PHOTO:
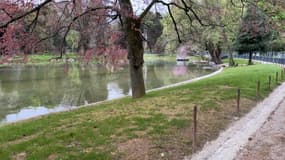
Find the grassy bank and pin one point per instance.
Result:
(155, 57)
(38, 59)
(44, 59)
(168, 57)
(157, 126)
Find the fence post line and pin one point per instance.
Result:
(194, 129)
(282, 75)
(258, 89)
(276, 77)
(269, 82)
(238, 99)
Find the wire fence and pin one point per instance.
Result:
(269, 59)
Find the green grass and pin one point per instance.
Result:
(155, 57)
(43, 57)
(237, 61)
(38, 59)
(167, 57)
(162, 118)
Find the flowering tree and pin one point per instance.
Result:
(108, 11)
(16, 38)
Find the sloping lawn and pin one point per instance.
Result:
(157, 126)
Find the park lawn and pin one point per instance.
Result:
(162, 57)
(238, 61)
(157, 126)
(168, 57)
(38, 59)
(46, 58)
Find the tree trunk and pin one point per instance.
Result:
(231, 59)
(218, 52)
(250, 58)
(137, 81)
(135, 56)
(229, 50)
(214, 51)
(135, 48)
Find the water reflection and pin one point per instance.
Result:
(114, 91)
(25, 113)
(54, 88)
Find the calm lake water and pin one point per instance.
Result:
(29, 91)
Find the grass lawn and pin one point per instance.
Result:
(157, 126)
(155, 57)
(38, 59)
(168, 57)
(238, 61)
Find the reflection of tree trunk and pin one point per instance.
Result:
(215, 51)
(154, 81)
(124, 82)
(132, 27)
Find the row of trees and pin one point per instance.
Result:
(114, 29)
(243, 26)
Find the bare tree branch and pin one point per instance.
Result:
(5, 25)
(174, 23)
(144, 13)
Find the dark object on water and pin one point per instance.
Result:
(180, 59)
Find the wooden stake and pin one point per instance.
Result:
(238, 99)
(269, 82)
(258, 89)
(194, 128)
(276, 77)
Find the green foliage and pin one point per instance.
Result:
(277, 45)
(153, 28)
(255, 31)
(72, 39)
(276, 11)
(220, 12)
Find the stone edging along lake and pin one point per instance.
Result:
(188, 81)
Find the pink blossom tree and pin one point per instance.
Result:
(108, 11)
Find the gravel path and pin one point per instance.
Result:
(229, 144)
(268, 143)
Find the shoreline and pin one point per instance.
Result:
(72, 108)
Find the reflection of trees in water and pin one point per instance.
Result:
(50, 86)
(7, 100)
(94, 86)
(123, 81)
(151, 78)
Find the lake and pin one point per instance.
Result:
(29, 91)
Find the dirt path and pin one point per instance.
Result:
(268, 143)
(235, 138)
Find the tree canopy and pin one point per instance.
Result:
(255, 31)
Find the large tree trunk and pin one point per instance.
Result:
(215, 52)
(135, 56)
(135, 48)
